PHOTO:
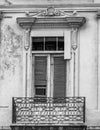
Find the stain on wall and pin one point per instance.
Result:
(10, 70)
(10, 52)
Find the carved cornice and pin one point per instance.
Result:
(59, 22)
(75, 21)
(26, 22)
(51, 17)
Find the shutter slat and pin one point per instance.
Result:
(59, 77)
(40, 70)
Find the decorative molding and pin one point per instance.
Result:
(51, 17)
(26, 22)
(3, 107)
(75, 22)
(93, 128)
(74, 38)
(5, 127)
(52, 22)
(2, 15)
(50, 12)
(78, 6)
(27, 39)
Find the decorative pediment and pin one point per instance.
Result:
(49, 12)
(52, 18)
(68, 22)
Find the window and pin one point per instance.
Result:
(49, 73)
(49, 68)
(47, 43)
(40, 75)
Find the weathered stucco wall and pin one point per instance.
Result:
(48, 1)
(89, 68)
(10, 68)
(88, 60)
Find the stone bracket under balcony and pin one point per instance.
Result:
(51, 22)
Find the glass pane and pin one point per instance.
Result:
(60, 43)
(50, 43)
(40, 91)
(40, 70)
(37, 43)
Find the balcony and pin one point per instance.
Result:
(48, 111)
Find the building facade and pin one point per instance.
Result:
(50, 64)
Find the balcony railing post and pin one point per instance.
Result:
(13, 111)
(84, 111)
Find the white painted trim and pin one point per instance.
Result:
(33, 67)
(49, 32)
(52, 76)
(98, 71)
(47, 52)
(48, 77)
(68, 78)
(67, 44)
(24, 66)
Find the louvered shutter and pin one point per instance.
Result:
(59, 77)
(40, 71)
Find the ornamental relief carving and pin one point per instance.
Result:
(27, 39)
(50, 12)
(51, 17)
(74, 38)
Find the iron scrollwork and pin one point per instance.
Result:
(49, 110)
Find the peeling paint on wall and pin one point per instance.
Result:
(10, 52)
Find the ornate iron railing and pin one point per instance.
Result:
(55, 111)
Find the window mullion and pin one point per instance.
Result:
(56, 43)
(48, 76)
(44, 44)
(51, 75)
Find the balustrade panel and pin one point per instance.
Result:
(49, 110)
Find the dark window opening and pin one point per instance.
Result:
(60, 43)
(38, 43)
(47, 43)
(50, 43)
(39, 91)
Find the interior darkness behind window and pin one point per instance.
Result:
(47, 43)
